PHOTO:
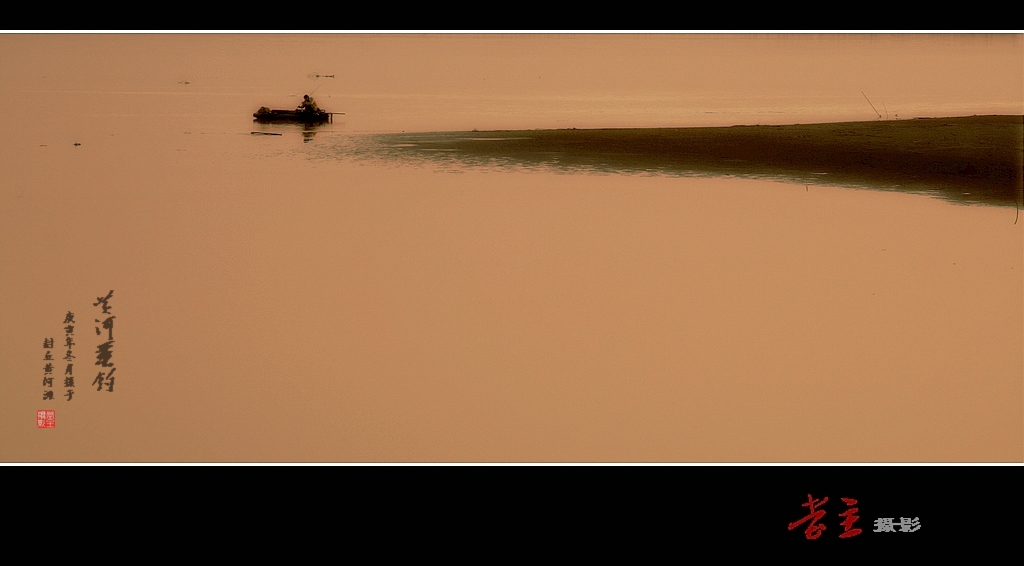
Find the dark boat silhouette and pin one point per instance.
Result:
(265, 114)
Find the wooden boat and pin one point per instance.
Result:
(265, 114)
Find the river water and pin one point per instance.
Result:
(284, 297)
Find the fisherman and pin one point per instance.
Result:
(308, 104)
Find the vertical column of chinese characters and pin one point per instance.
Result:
(69, 335)
(103, 351)
(48, 370)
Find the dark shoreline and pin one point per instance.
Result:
(975, 160)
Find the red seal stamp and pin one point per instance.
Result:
(46, 419)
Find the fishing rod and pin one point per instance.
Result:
(331, 113)
(871, 105)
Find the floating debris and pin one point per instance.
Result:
(319, 76)
(184, 83)
(265, 133)
(76, 143)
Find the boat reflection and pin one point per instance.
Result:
(308, 131)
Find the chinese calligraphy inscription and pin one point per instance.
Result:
(104, 352)
(816, 512)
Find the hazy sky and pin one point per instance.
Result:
(899, 69)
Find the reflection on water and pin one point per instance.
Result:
(308, 131)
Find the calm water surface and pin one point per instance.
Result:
(286, 298)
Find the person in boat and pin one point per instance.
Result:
(308, 104)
